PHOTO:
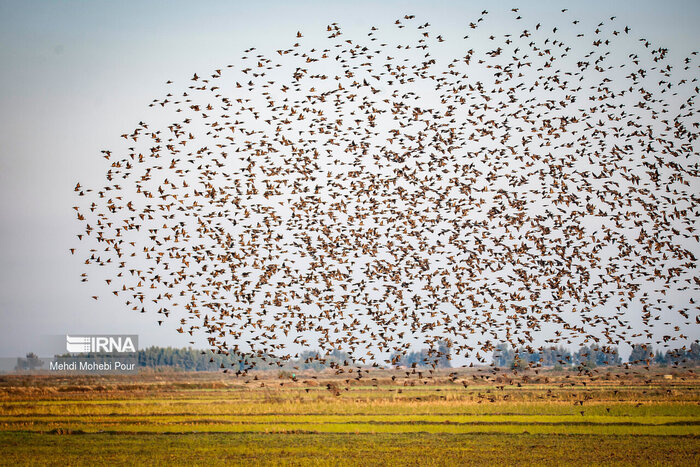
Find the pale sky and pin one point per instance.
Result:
(76, 75)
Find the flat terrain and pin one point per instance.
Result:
(268, 417)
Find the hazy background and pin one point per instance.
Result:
(76, 75)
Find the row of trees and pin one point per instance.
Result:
(187, 359)
(591, 357)
(311, 360)
(504, 356)
(197, 360)
(31, 362)
(645, 354)
(439, 357)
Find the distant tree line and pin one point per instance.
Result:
(313, 360)
(30, 362)
(189, 359)
(504, 356)
(645, 354)
(590, 357)
(439, 358)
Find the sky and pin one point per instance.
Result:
(76, 74)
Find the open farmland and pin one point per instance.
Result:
(321, 417)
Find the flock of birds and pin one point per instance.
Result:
(366, 196)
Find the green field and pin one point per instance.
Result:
(215, 419)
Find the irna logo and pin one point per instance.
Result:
(101, 343)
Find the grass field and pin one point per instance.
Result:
(165, 418)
